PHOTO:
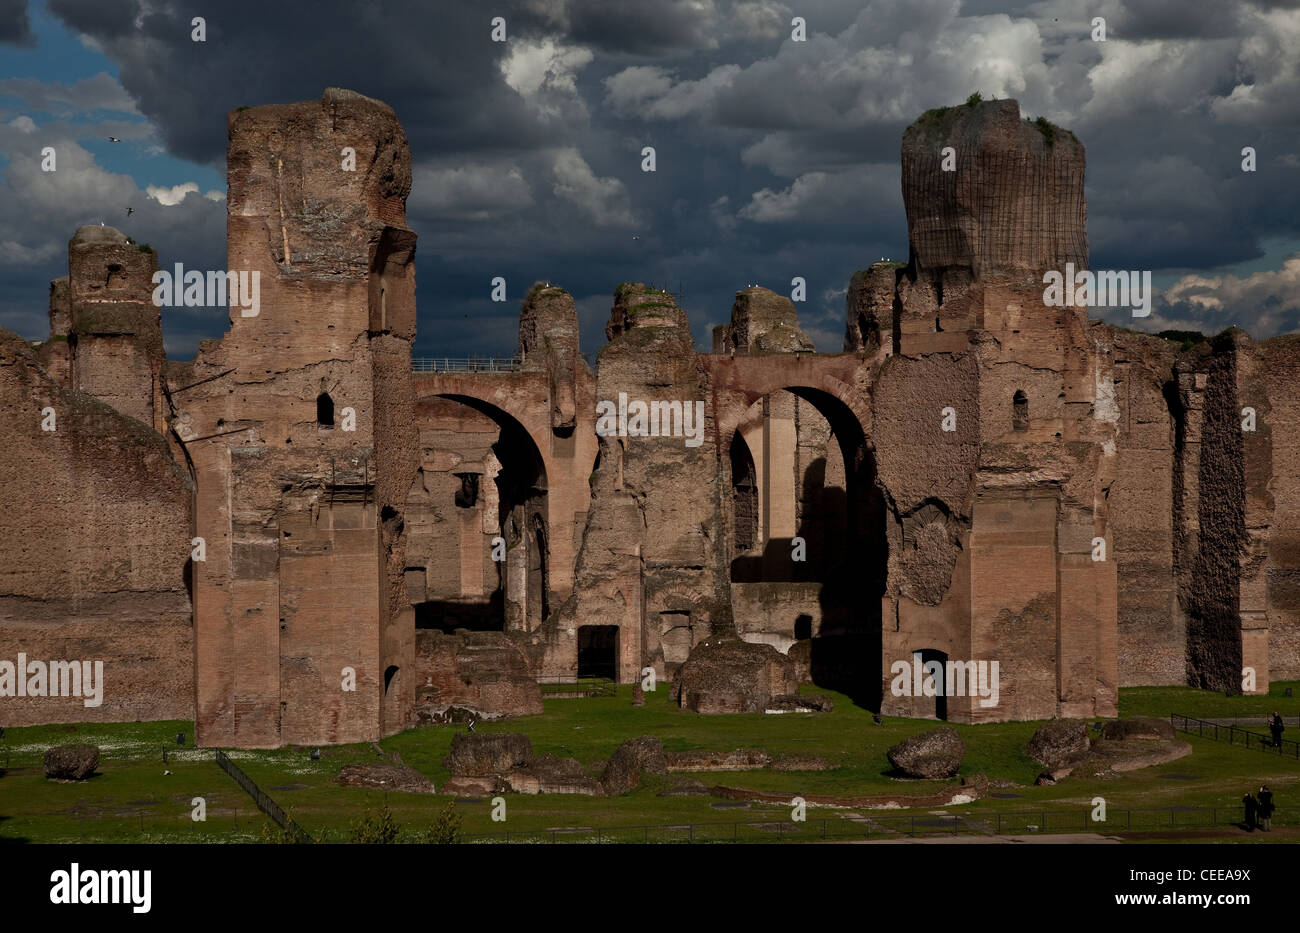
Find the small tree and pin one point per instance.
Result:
(376, 827)
(974, 99)
(445, 830)
(274, 834)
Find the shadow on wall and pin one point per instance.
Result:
(447, 615)
(846, 551)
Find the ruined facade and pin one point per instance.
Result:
(295, 538)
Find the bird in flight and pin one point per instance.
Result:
(130, 211)
(114, 139)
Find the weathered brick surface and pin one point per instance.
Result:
(94, 543)
(1095, 516)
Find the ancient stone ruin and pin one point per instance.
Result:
(302, 537)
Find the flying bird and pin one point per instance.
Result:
(471, 724)
(130, 211)
(114, 139)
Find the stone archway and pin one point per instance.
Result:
(801, 433)
(473, 515)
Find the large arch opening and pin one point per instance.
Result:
(477, 549)
(809, 550)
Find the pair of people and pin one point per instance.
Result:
(1259, 811)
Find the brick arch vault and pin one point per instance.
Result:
(523, 399)
(835, 595)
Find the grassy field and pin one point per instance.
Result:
(132, 799)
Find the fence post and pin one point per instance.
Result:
(999, 831)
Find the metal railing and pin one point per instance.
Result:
(262, 799)
(469, 364)
(1019, 823)
(1233, 735)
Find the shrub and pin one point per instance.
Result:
(445, 830)
(376, 827)
(274, 834)
(974, 99)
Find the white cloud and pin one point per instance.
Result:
(767, 206)
(23, 124)
(101, 92)
(760, 19)
(1270, 56)
(720, 211)
(604, 200)
(651, 93)
(544, 73)
(14, 253)
(170, 197)
(477, 191)
(1263, 303)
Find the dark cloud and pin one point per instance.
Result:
(775, 159)
(15, 28)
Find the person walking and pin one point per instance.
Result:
(1252, 807)
(1275, 726)
(1265, 809)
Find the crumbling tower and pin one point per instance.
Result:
(996, 420)
(113, 328)
(299, 425)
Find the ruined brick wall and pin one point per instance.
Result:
(1212, 535)
(1278, 360)
(651, 548)
(94, 543)
(114, 328)
(869, 305)
(1152, 630)
(300, 424)
(992, 520)
(1013, 204)
(487, 674)
(55, 354)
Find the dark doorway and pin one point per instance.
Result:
(598, 651)
(924, 657)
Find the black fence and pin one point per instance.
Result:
(262, 799)
(1018, 823)
(1234, 735)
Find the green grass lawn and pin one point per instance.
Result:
(132, 800)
